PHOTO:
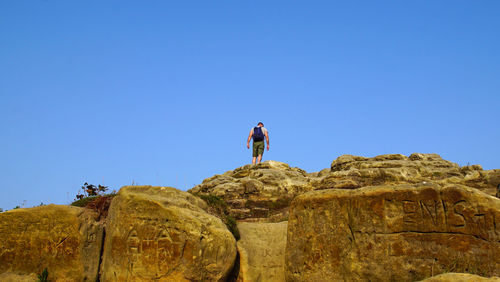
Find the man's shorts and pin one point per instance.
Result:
(258, 148)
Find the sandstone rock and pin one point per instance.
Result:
(393, 169)
(13, 277)
(163, 234)
(460, 277)
(392, 233)
(265, 190)
(262, 251)
(262, 190)
(493, 177)
(64, 239)
(398, 169)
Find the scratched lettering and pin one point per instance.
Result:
(154, 250)
(435, 215)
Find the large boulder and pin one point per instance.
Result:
(392, 233)
(64, 239)
(263, 190)
(262, 251)
(163, 234)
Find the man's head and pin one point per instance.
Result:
(260, 124)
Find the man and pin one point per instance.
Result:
(258, 133)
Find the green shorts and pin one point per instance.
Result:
(258, 148)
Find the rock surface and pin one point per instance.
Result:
(460, 277)
(264, 190)
(390, 217)
(13, 277)
(64, 239)
(262, 251)
(163, 234)
(352, 172)
(392, 233)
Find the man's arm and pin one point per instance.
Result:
(249, 138)
(267, 139)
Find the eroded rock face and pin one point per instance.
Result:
(13, 277)
(262, 251)
(266, 190)
(353, 172)
(163, 234)
(64, 239)
(392, 233)
(263, 190)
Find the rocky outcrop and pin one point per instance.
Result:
(262, 251)
(390, 217)
(163, 234)
(350, 172)
(64, 239)
(392, 233)
(460, 277)
(264, 190)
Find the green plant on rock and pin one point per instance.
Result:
(215, 202)
(219, 208)
(89, 193)
(232, 226)
(90, 190)
(44, 276)
(94, 197)
(83, 201)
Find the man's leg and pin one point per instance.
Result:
(258, 150)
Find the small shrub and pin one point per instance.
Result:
(93, 197)
(44, 276)
(219, 208)
(215, 202)
(100, 204)
(232, 226)
(90, 190)
(83, 201)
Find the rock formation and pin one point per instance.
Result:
(64, 239)
(163, 234)
(390, 217)
(392, 233)
(262, 251)
(354, 172)
(264, 190)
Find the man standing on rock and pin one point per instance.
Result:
(258, 133)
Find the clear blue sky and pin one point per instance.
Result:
(165, 92)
